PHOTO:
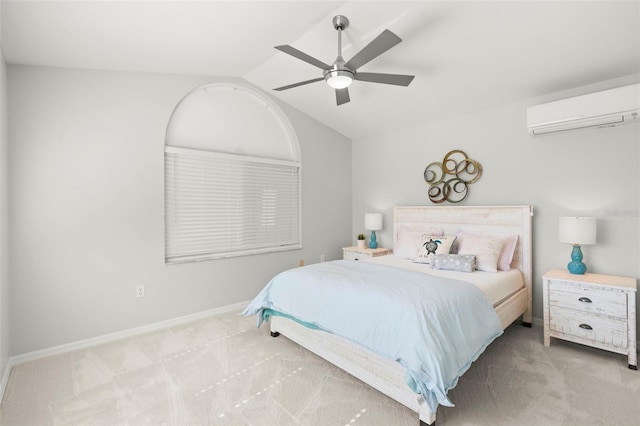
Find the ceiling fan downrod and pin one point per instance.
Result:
(339, 76)
(340, 23)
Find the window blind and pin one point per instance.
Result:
(222, 205)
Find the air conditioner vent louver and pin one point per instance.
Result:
(608, 108)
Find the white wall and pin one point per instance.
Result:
(86, 203)
(5, 347)
(584, 173)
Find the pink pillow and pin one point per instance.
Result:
(486, 249)
(409, 240)
(506, 256)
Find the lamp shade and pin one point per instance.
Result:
(373, 221)
(577, 230)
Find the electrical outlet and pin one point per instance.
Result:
(321, 258)
(140, 291)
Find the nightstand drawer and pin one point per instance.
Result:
(611, 303)
(589, 326)
(354, 255)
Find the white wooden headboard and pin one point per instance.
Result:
(480, 220)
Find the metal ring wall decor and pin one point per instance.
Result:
(450, 180)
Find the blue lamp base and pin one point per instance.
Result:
(372, 242)
(576, 266)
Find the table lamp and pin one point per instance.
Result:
(577, 231)
(373, 223)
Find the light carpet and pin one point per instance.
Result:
(223, 371)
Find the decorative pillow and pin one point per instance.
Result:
(432, 245)
(486, 249)
(454, 262)
(506, 255)
(409, 240)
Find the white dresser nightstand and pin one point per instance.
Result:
(591, 309)
(354, 253)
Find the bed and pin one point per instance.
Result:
(385, 369)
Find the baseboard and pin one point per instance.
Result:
(5, 380)
(107, 338)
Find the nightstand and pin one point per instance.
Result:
(591, 309)
(354, 253)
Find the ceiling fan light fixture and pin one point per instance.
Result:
(339, 79)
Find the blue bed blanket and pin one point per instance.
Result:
(434, 327)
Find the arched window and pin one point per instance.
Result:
(232, 176)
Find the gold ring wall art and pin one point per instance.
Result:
(450, 180)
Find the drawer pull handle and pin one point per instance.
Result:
(585, 300)
(586, 326)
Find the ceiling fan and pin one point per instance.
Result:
(340, 74)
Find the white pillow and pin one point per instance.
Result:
(409, 240)
(442, 245)
(486, 249)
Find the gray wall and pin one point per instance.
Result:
(592, 173)
(5, 347)
(86, 199)
(86, 204)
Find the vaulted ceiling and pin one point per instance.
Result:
(466, 56)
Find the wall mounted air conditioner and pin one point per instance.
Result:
(608, 108)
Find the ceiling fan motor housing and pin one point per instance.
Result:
(338, 76)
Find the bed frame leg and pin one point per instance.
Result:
(274, 334)
(423, 423)
(526, 324)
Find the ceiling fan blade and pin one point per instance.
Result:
(291, 86)
(385, 41)
(342, 96)
(303, 56)
(374, 77)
